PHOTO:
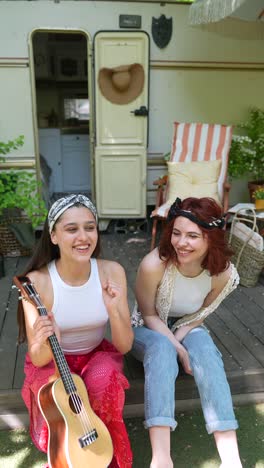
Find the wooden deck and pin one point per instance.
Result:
(237, 328)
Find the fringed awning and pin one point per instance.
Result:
(242, 19)
(211, 11)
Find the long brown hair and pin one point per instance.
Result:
(218, 254)
(44, 252)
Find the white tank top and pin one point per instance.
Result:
(79, 311)
(189, 293)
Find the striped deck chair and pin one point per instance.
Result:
(197, 167)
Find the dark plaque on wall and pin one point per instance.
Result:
(130, 21)
(161, 30)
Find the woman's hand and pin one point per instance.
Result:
(44, 327)
(112, 295)
(184, 358)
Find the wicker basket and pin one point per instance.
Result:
(248, 260)
(9, 245)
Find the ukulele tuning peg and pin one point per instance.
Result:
(22, 298)
(15, 287)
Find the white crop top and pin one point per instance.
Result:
(79, 311)
(189, 293)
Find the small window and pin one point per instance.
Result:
(76, 108)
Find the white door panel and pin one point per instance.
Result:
(121, 136)
(123, 128)
(120, 191)
(115, 123)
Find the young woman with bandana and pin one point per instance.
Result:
(178, 285)
(81, 293)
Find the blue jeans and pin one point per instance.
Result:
(161, 368)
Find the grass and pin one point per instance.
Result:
(191, 446)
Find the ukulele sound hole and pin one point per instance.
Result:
(75, 403)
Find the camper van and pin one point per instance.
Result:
(58, 60)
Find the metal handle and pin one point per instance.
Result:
(141, 112)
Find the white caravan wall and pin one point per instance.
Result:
(16, 108)
(214, 96)
(181, 87)
(18, 18)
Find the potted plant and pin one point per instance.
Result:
(246, 156)
(21, 206)
(258, 196)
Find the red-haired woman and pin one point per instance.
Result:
(178, 285)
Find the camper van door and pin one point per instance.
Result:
(121, 97)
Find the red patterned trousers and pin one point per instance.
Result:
(101, 371)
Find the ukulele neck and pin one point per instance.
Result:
(59, 357)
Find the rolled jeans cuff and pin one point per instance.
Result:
(160, 421)
(222, 426)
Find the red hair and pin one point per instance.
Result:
(219, 253)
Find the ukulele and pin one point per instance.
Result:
(77, 436)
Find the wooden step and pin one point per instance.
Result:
(246, 387)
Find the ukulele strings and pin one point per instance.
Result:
(76, 399)
(84, 417)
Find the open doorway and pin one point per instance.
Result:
(63, 111)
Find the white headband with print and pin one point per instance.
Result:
(61, 205)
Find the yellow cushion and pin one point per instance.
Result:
(193, 179)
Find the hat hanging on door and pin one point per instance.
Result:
(121, 85)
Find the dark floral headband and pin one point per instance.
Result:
(176, 210)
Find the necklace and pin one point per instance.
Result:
(192, 274)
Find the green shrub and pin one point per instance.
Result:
(19, 189)
(247, 150)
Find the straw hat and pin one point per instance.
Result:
(121, 85)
